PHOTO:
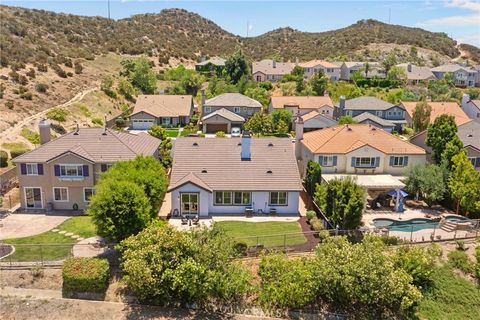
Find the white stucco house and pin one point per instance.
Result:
(234, 177)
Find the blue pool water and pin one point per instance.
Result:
(412, 224)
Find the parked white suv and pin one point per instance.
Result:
(236, 132)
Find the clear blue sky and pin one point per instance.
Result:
(460, 19)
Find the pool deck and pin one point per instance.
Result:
(419, 235)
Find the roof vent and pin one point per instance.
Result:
(270, 144)
(195, 144)
(269, 171)
(204, 170)
(239, 144)
(374, 128)
(470, 135)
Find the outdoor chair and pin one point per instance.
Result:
(273, 211)
(184, 219)
(248, 211)
(195, 219)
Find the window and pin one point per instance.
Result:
(328, 161)
(259, 78)
(250, 111)
(208, 109)
(60, 194)
(379, 113)
(223, 198)
(71, 170)
(166, 121)
(236, 109)
(278, 198)
(189, 203)
(241, 198)
(398, 161)
(478, 115)
(32, 169)
(364, 162)
(329, 70)
(472, 160)
(88, 193)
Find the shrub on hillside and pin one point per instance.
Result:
(57, 114)
(85, 275)
(17, 152)
(78, 67)
(41, 87)
(3, 159)
(417, 262)
(42, 68)
(459, 259)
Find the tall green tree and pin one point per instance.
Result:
(259, 123)
(140, 74)
(259, 94)
(313, 176)
(421, 116)
(439, 133)
(319, 82)
(165, 148)
(281, 115)
(427, 181)
(389, 62)
(119, 209)
(236, 66)
(342, 201)
(452, 148)
(464, 184)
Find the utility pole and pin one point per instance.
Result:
(248, 26)
(389, 14)
(108, 1)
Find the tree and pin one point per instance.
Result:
(259, 123)
(126, 89)
(342, 201)
(107, 86)
(281, 115)
(119, 209)
(366, 69)
(146, 172)
(319, 82)
(313, 176)
(427, 181)
(464, 184)
(453, 147)
(166, 266)
(259, 94)
(398, 74)
(282, 127)
(439, 134)
(346, 120)
(236, 66)
(192, 83)
(165, 148)
(299, 85)
(421, 116)
(140, 74)
(389, 62)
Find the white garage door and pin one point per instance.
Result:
(138, 124)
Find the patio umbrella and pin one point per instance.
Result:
(393, 193)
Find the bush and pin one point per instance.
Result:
(417, 262)
(310, 215)
(31, 73)
(41, 87)
(3, 159)
(459, 259)
(220, 134)
(120, 122)
(59, 71)
(57, 114)
(241, 248)
(10, 104)
(17, 152)
(78, 67)
(316, 224)
(85, 275)
(390, 240)
(26, 95)
(460, 245)
(97, 121)
(42, 68)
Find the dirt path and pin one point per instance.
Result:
(13, 132)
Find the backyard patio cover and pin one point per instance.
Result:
(370, 181)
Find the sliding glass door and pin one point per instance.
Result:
(33, 198)
(189, 203)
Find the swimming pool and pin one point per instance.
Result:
(415, 224)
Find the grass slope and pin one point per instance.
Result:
(270, 234)
(81, 225)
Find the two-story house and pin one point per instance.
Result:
(377, 107)
(270, 70)
(226, 111)
(301, 105)
(331, 70)
(234, 176)
(462, 76)
(161, 109)
(357, 149)
(61, 174)
(471, 107)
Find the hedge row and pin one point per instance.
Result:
(85, 275)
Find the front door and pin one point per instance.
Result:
(33, 198)
(189, 203)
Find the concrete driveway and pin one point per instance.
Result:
(18, 225)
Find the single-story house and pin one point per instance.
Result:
(61, 174)
(315, 120)
(234, 177)
(357, 149)
(416, 74)
(161, 109)
(301, 105)
(214, 64)
(233, 104)
(438, 108)
(369, 118)
(270, 70)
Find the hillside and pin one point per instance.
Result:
(37, 36)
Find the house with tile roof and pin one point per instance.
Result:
(301, 105)
(161, 109)
(61, 174)
(270, 70)
(462, 76)
(377, 107)
(234, 176)
(315, 120)
(331, 70)
(237, 109)
(416, 74)
(471, 107)
(369, 118)
(358, 149)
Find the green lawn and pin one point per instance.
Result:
(172, 133)
(270, 234)
(80, 225)
(451, 297)
(51, 246)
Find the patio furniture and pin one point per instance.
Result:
(184, 219)
(195, 219)
(273, 211)
(248, 211)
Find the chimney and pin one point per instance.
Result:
(77, 129)
(341, 106)
(44, 130)
(203, 99)
(246, 154)
(409, 67)
(298, 136)
(274, 64)
(465, 100)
